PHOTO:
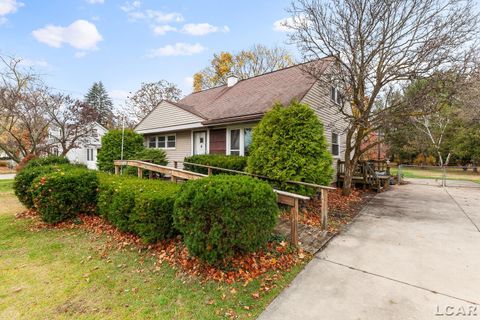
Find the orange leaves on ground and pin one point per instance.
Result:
(276, 256)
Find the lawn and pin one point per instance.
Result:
(437, 173)
(60, 274)
(6, 185)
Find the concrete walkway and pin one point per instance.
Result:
(413, 253)
(6, 176)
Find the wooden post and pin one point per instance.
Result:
(150, 174)
(324, 195)
(175, 164)
(140, 173)
(173, 178)
(294, 224)
(209, 171)
(117, 170)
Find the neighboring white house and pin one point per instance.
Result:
(88, 148)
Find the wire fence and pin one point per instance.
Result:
(446, 176)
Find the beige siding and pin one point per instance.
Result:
(167, 115)
(182, 149)
(318, 98)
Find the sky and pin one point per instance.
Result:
(73, 43)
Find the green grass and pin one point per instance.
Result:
(6, 185)
(436, 173)
(59, 274)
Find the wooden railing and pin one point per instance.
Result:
(283, 197)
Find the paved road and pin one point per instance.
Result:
(413, 253)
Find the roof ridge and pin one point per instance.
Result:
(263, 74)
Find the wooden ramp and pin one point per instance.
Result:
(371, 174)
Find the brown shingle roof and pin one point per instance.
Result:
(253, 96)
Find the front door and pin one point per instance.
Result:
(199, 142)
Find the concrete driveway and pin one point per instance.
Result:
(413, 253)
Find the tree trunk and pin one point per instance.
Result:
(348, 178)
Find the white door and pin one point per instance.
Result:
(200, 142)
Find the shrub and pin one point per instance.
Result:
(237, 163)
(223, 215)
(112, 148)
(152, 217)
(289, 144)
(63, 194)
(156, 156)
(47, 161)
(23, 182)
(144, 207)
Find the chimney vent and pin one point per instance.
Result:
(231, 81)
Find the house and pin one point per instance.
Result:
(87, 146)
(220, 120)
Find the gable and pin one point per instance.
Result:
(167, 115)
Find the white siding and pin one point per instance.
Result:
(183, 146)
(167, 115)
(318, 98)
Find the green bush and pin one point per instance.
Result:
(156, 156)
(289, 144)
(46, 161)
(144, 207)
(63, 194)
(237, 163)
(223, 215)
(152, 217)
(23, 182)
(112, 148)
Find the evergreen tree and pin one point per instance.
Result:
(98, 98)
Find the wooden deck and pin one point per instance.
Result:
(373, 175)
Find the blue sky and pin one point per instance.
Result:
(73, 43)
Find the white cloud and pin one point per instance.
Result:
(81, 34)
(177, 49)
(163, 29)
(150, 16)
(80, 54)
(200, 29)
(96, 1)
(9, 6)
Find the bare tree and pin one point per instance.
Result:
(379, 45)
(149, 96)
(72, 123)
(24, 101)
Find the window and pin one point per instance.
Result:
(247, 140)
(152, 142)
(238, 141)
(89, 154)
(235, 142)
(335, 95)
(162, 142)
(335, 144)
(171, 141)
(55, 152)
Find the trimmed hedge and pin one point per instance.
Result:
(156, 156)
(223, 215)
(144, 207)
(63, 194)
(237, 163)
(23, 182)
(47, 161)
